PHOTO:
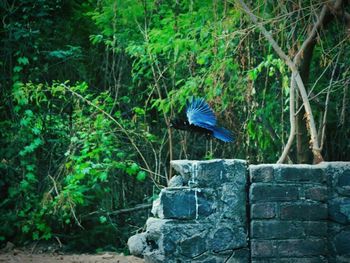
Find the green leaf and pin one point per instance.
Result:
(25, 229)
(141, 176)
(23, 60)
(103, 219)
(17, 69)
(132, 169)
(35, 235)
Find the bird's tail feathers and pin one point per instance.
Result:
(222, 134)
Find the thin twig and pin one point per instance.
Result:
(326, 104)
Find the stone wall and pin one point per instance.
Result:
(200, 217)
(220, 211)
(288, 208)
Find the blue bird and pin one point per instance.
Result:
(201, 118)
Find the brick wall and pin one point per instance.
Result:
(339, 212)
(288, 209)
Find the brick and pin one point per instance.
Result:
(303, 211)
(314, 229)
(261, 192)
(301, 247)
(300, 174)
(317, 193)
(263, 211)
(339, 210)
(261, 173)
(343, 184)
(320, 259)
(273, 229)
(263, 248)
(344, 179)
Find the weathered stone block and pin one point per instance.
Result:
(300, 173)
(169, 237)
(339, 210)
(239, 256)
(263, 210)
(232, 203)
(261, 192)
(178, 204)
(303, 211)
(185, 203)
(317, 193)
(261, 173)
(193, 246)
(301, 247)
(227, 238)
(211, 173)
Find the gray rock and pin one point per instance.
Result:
(193, 246)
(137, 244)
(176, 181)
(227, 238)
(156, 209)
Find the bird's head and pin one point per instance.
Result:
(179, 124)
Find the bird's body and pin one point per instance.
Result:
(201, 119)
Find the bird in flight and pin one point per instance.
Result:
(200, 118)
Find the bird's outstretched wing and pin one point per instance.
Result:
(218, 132)
(199, 113)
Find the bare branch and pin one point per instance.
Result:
(132, 209)
(292, 120)
(312, 36)
(309, 116)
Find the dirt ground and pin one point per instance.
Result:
(25, 255)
